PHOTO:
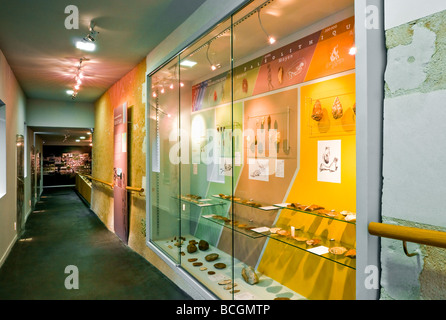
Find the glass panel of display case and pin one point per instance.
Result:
(164, 195)
(278, 47)
(207, 161)
(253, 153)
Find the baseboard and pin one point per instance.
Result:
(8, 250)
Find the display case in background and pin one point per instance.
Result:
(252, 154)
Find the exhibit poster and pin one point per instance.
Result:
(120, 172)
(259, 169)
(329, 161)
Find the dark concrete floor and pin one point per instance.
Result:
(62, 231)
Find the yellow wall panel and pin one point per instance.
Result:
(310, 275)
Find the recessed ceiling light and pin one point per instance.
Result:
(70, 91)
(77, 140)
(187, 63)
(88, 132)
(81, 138)
(86, 46)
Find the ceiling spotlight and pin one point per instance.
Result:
(82, 138)
(87, 42)
(70, 91)
(91, 37)
(88, 132)
(77, 140)
(85, 46)
(271, 39)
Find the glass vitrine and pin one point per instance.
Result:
(252, 153)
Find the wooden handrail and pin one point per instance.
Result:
(411, 234)
(111, 184)
(135, 189)
(101, 181)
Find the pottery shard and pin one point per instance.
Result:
(249, 275)
(191, 248)
(337, 250)
(317, 111)
(203, 245)
(351, 253)
(211, 257)
(336, 110)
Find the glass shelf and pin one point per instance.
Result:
(300, 242)
(338, 216)
(252, 204)
(200, 202)
(240, 227)
(268, 207)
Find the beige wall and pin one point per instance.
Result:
(129, 89)
(12, 95)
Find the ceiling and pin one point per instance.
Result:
(63, 136)
(42, 52)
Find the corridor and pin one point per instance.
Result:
(62, 231)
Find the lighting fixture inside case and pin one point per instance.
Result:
(213, 66)
(353, 51)
(271, 39)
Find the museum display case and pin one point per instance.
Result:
(252, 158)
